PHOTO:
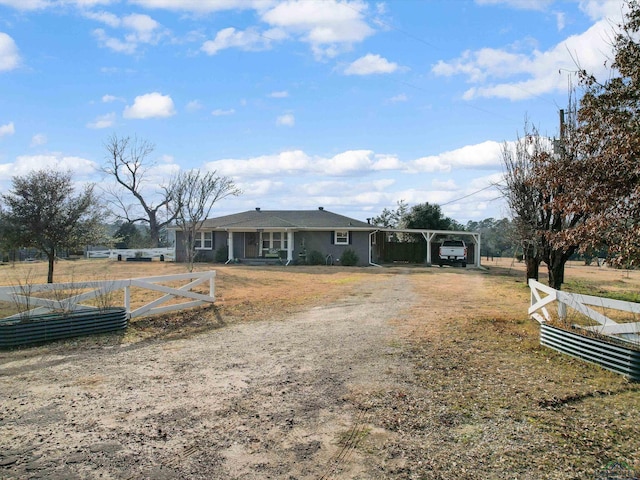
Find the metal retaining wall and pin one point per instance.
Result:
(42, 328)
(612, 357)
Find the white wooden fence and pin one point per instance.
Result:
(542, 296)
(103, 290)
(169, 254)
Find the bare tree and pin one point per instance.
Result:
(536, 188)
(193, 195)
(523, 199)
(128, 163)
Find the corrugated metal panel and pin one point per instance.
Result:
(42, 328)
(612, 357)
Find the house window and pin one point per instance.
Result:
(275, 241)
(203, 241)
(342, 237)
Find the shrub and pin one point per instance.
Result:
(314, 257)
(349, 258)
(222, 255)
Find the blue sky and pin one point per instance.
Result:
(350, 105)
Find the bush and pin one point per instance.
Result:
(349, 258)
(314, 257)
(222, 255)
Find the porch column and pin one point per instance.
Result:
(230, 241)
(290, 246)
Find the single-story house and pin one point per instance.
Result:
(290, 235)
(285, 234)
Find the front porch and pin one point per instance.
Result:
(261, 247)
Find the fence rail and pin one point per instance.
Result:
(615, 347)
(66, 296)
(542, 296)
(169, 254)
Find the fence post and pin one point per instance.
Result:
(127, 300)
(212, 290)
(562, 309)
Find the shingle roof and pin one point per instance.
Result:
(285, 219)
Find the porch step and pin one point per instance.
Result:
(261, 261)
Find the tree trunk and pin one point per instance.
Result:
(51, 255)
(556, 263)
(532, 261)
(154, 231)
(533, 266)
(556, 273)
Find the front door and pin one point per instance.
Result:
(251, 245)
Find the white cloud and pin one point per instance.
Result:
(114, 44)
(139, 29)
(220, 112)
(330, 26)
(399, 98)
(38, 139)
(150, 105)
(103, 121)
(203, 6)
(261, 188)
(81, 167)
(600, 9)
(560, 20)
(288, 162)
(194, 106)
(111, 98)
(482, 155)
(499, 72)
(444, 184)
(107, 18)
(371, 64)
(26, 4)
(295, 162)
(386, 162)
(9, 56)
(349, 162)
(520, 4)
(287, 120)
(280, 94)
(8, 129)
(248, 40)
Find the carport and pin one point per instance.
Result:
(379, 238)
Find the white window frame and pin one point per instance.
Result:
(202, 239)
(268, 242)
(341, 237)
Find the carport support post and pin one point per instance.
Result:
(476, 238)
(428, 236)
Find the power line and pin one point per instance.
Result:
(470, 195)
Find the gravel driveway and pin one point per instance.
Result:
(245, 401)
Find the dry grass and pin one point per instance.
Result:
(483, 399)
(488, 401)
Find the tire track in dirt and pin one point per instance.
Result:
(246, 401)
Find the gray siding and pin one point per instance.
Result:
(322, 242)
(219, 239)
(303, 241)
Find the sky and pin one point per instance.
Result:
(351, 105)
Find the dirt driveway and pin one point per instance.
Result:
(335, 373)
(245, 401)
